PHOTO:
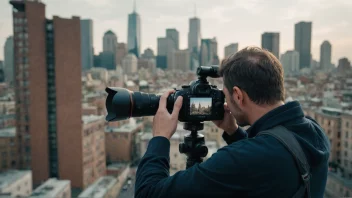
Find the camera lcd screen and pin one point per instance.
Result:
(200, 106)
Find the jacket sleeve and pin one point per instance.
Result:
(208, 179)
(238, 135)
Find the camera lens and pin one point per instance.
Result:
(122, 104)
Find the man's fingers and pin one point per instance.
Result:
(226, 107)
(163, 99)
(177, 107)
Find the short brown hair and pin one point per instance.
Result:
(257, 72)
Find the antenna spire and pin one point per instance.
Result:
(134, 6)
(195, 10)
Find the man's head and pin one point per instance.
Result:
(253, 80)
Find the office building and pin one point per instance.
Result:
(108, 56)
(194, 35)
(230, 49)
(15, 183)
(9, 59)
(134, 32)
(8, 148)
(49, 111)
(344, 65)
(181, 60)
(337, 186)
(174, 36)
(303, 42)
(121, 52)
(325, 56)
(104, 187)
(166, 47)
(271, 42)
(129, 64)
(290, 62)
(53, 188)
(209, 52)
(120, 141)
(87, 51)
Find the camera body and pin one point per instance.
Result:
(201, 102)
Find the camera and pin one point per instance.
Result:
(201, 100)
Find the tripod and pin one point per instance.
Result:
(194, 144)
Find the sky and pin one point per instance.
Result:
(230, 21)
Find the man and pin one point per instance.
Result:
(250, 166)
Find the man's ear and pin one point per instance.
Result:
(237, 95)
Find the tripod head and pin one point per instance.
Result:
(194, 144)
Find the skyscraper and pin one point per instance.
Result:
(303, 41)
(166, 47)
(48, 98)
(134, 32)
(174, 36)
(87, 53)
(121, 52)
(194, 34)
(344, 65)
(148, 54)
(209, 52)
(9, 60)
(290, 62)
(271, 42)
(129, 63)
(325, 56)
(231, 49)
(108, 57)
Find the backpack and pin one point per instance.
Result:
(290, 142)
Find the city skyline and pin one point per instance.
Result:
(329, 21)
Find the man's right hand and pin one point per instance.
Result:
(228, 124)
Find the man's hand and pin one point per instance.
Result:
(164, 123)
(228, 124)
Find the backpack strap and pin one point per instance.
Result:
(286, 137)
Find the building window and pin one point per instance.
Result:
(346, 133)
(347, 124)
(346, 144)
(346, 154)
(339, 134)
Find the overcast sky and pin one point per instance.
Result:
(241, 21)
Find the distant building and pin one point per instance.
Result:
(303, 42)
(330, 120)
(9, 59)
(120, 142)
(174, 36)
(121, 52)
(99, 74)
(290, 62)
(325, 56)
(97, 60)
(230, 49)
(271, 42)
(148, 54)
(15, 183)
(87, 51)
(134, 32)
(104, 187)
(108, 56)
(8, 149)
(166, 47)
(194, 35)
(181, 60)
(346, 143)
(337, 186)
(344, 65)
(209, 52)
(129, 64)
(53, 188)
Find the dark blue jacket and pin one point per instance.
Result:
(247, 167)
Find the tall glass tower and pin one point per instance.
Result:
(134, 32)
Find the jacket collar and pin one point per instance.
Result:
(275, 117)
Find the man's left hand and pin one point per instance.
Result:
(164, 123)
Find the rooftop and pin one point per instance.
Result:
(99, 188)
(129, 127)
(50, 188)
(8, 132)
(91, 118)
(11, 176)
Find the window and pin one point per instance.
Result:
(339, 134)
(347, 124)
(346, 154)
(346, 144)
(346, 133)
